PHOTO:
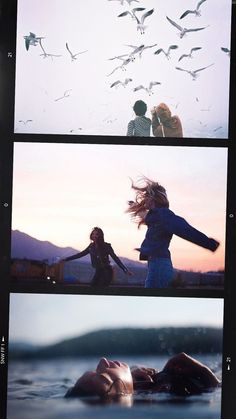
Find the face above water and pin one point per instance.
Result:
(110, 378)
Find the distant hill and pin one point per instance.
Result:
(132, 341)
(24, 246)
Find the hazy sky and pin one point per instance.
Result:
(46, 319)
(61, 191)
(91, 105)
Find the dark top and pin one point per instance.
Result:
(162, 224)
(99, 259)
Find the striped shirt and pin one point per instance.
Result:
(139, 127)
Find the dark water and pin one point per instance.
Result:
(36, 390)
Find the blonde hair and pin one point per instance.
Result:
(150, 195)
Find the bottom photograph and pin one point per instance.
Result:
(87, 356)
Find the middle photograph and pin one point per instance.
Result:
(129, 216)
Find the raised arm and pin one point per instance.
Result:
(179, 226)
(78, 255)
(155, 123)
(184, 365)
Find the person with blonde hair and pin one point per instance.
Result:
(151, 207)
(164, 124)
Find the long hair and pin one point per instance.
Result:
(150, 195)
(100, 242)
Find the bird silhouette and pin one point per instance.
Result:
(122, 66)
(196, 11)
(120, 83)
(31, 39)
(65, 94)
(140, 22)
(25, 122)
(194, 73)
(127, 1)
(182, 30)
(190, 55)
(132, 12)
(166, 53)
(140, 49)
(74, 56)
(45, 54)
(147, 89)
(226, 50)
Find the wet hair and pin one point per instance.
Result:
(150, 195)
(140, 108)
(79, 391)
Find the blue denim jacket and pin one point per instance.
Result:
(162, 223)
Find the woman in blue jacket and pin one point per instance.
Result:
(151, 207)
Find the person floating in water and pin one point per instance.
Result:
(99, 252)
(151, 207)
(164, 124)
(182, 375)
(141, 125)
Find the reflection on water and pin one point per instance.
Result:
(37, 389)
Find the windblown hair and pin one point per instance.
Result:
(150, 195)
(163, 112)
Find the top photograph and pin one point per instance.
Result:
(138, 68)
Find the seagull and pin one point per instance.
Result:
(128, 1)
(73, 56)
(140, 23)
(183, 31)
(167, 54)
(31, 39)
(118, 82)
(196, 11)
(26, 122)
(190, 54)
(132, 12)
(193, 73)
(148, 89)
(136, 50)
(226, 50)
(216, 129)
(141, 48)
(65, 94)
(45, 54)
(77, 129)
(122, 66)
(119, 57)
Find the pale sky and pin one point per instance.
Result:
(45, 319)
(61, 191)
(91, 106)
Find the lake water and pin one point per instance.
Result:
(36, 390)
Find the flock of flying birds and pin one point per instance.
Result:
(140, 17)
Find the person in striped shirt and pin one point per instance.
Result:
(139, 126)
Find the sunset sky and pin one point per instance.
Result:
(59, 318)
(61, 191)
